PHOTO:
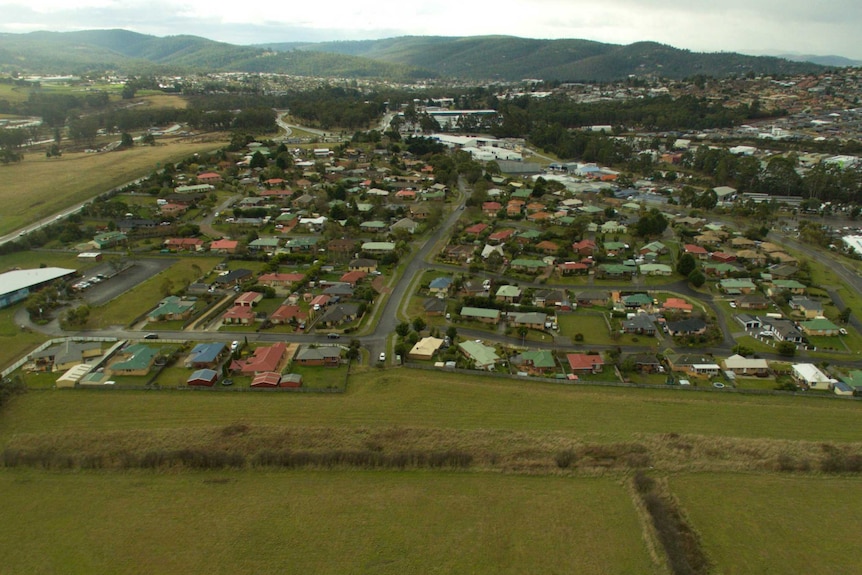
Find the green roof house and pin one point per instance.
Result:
(483, 356)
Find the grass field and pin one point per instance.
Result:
(39, 187)
(15, 342)
(318, 522)
(402, 397)
(772, 524)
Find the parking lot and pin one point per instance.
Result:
(108, 289)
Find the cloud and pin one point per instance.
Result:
(702, 25)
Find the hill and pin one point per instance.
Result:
(80, 52)
(512, 58)
(472, 58)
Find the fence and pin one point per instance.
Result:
(45, 346)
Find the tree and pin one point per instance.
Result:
(126, 141)
(402, 329)
(786, 348)
(686, 265)
(844, 316)
(451, 333)
(419, 324)
(258, 160)
(653, 223)
(696, 278)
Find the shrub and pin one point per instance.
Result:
(565, 458)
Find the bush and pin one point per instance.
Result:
(566, 458)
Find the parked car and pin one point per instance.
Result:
(151, 336)
(333, 335)
(382, 356)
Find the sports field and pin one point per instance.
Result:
(317, 522)
(38, 187)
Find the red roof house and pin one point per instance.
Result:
(583, 362)
(264, 358)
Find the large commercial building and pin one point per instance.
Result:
(16, 285)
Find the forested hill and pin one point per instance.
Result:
(512, 58)
(79, 52)
(473, 58)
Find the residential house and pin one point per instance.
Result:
(238, 315)
(378, 247)
(740, 365)
(172, 308)
(735, 286)
(593, 298)
(572, 268)
(792, 286)
(528, 265)
(809, 309)
(690, 326)
(352, 278)
(675, 304)
(529, 320)
(425, 348)
(434, 306)
(508, 293)
(133, 360)
(698, 252)
(288, 313)
(65, 355)
(318, 356)
(819, 327)
(693, 365)
(784, 330)
(184, 244)
(484, 315)
(501, 236)
(280, 280)
(584, 247)
(809, 376)
(615, 271)
(585, 363)
(752, 301)
(482, 356)
(405, 224)
(749, 322)
(224, 246)
(248, 299)
(535, 362)
(205, 355)
(647, 363)
(363, 264)
(264, 358)
(203, 378)
(440, 286)
(640, 324)
(655, 269)
(339, 314)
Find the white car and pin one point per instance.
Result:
(382, 356)
(234, 345)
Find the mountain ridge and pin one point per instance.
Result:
(468, 58)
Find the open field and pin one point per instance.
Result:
(318, 522)
(403, 397)
(39, 187)
(772, 524)
(14, 341)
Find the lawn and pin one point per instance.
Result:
(78, 177)
(773, 524)
(144, 297)
(591, 325)
(318, 522)
(15, 341)
(404, 397)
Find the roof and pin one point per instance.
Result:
(442, 282)
(171, 306)
(480, 312)
(205, 352)
(529, 318)
(508, 291)
(307, 353)
(581, 361)
(21, 279)
(819, 324)
(426, 346)
(810, 373)
(266, 379)
(203, 375)
(540, 358)
(740, 362)
(141, 356)
(482, 354)
(264, 358)
(378, 246)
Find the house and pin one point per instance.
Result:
(434, 306)
(319, 356)
(719, 269)
(593, 298)
(819, 327)
(690, 326)
(501, 236)
(744, 366)
(653, 248)
(784, 330)
(475, 229)
(584, 247)
(363, 264)
(342, 247)
(265, 245)
(551, 298)
(647, 363)
(184, 244)
(264, 358)
(656, 269)
(378, 247)
(108, 240)
(640, 324)
(301, 244)
(292, 380)
(65, 355)
(675, 304)
(752, 301)
(440, 286)
(810, 309)
(508, 293)
(735, 286)
(490, 209)
(205, 355)
(238, 315)
(172, 308)
(373, 226)
(224, 246)
(528, 265)
(234, 277)
(288, 313)
(792, 286)
(809, 376)
(853, 380)
(529, 320)
(547, 247)
(210, 178)
(280, 280)
(637, 301)
(352, 278)
(203, 377)
(482, 356)
(571, 268)
(132, 360)
(694, 365)
(615, 271)
(535, 362)
(582, 362)
(698, 252)
(248, 299)
(484, 315)
(425, 348)
(339, 314)
(405, 224)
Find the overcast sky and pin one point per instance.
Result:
(747, 26)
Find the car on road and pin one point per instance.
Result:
(382, 357)
(234, 345)
(333, 335)
(151, 336)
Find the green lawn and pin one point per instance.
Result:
(449, 401)
(773, 524)
(15, 342)
(591, 325)
(317, 522)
